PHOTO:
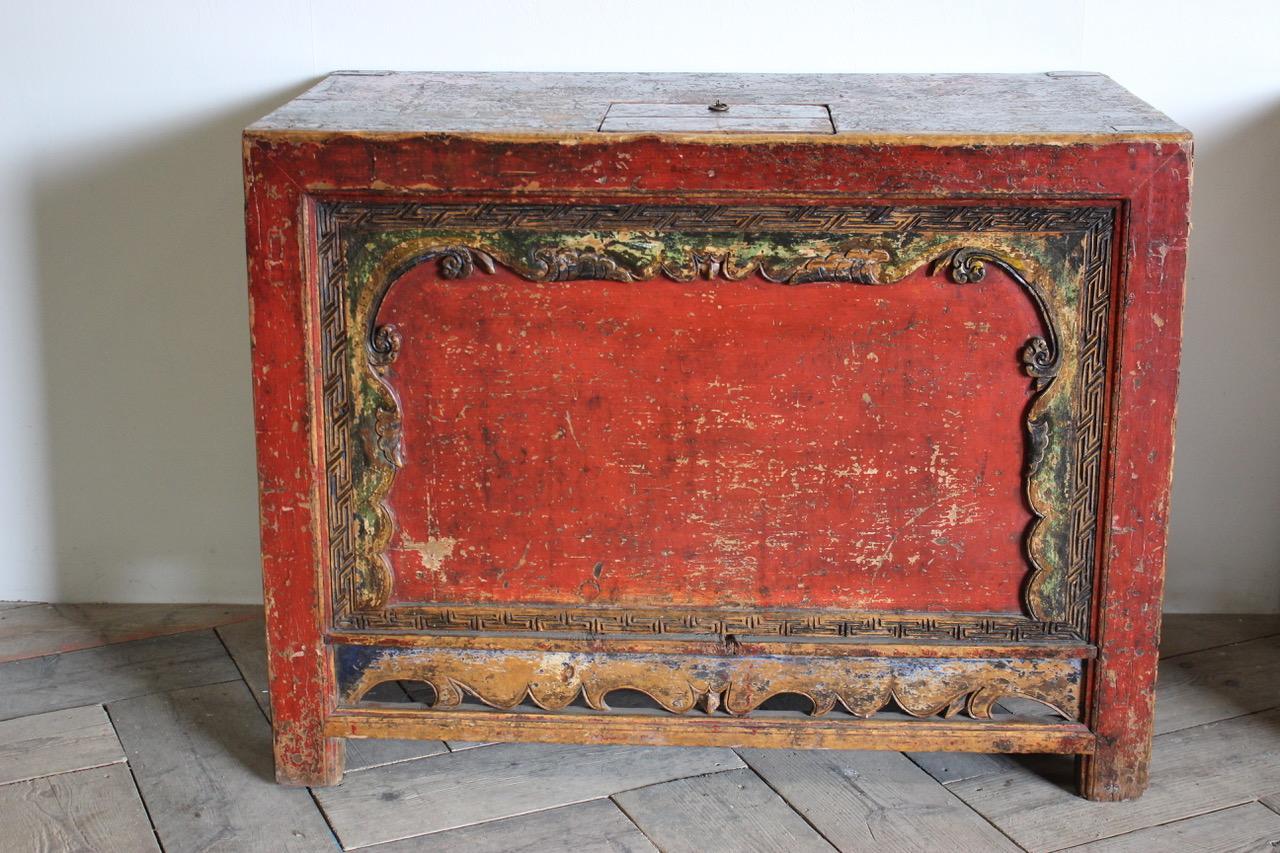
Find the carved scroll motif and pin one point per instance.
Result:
(736, 685)
(1042, 360)
(1041, 357)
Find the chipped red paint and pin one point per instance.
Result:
(704, 443)
(289, 478)
(1150, 179)
(1136, 507)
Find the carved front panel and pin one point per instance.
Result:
(868, 422)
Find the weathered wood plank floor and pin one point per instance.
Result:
(135, 728)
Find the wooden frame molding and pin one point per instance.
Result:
(821, 733)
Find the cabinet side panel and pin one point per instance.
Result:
(1131, 576)
(288, 476)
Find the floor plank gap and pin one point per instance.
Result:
(1270, 636)
(631, 820)
(458, 789)
(46, 629)
(57, 742)
(1217, 684)
(203, 762)
(1182, 633)
(337, 843)
(263, 706)
(592, 826)
(874, 799)
(1249, 826)
(690, 776)
(783, 797)
(697, 814)
(113, 672)
(134, 777)
(97, 809)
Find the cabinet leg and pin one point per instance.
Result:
(1115, 772)
(314, 762)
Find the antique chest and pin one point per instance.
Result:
(629, 408)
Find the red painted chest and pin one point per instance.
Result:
(718, 390)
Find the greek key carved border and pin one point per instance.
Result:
(359, 593)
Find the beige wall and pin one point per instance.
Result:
(123, 343)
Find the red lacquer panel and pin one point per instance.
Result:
(711, 443)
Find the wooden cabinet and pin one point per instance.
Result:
(717, 389)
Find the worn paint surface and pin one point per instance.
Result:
(828, 732)
(702, 443)
(860, 686)
(922, 108)
(1149, 176)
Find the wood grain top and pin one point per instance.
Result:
(928, 108)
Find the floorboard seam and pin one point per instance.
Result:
(444, 754)
(227, 650)
(1187, 816)
(481, 746)
(989, 823)
(39, 776)
(159, 692)
(122, 640)
(105, 703)
(633, 821)
(1156, 825)
(629, 820)
(134, 778)
(946, 785)
(1275, 808)
(1215, 722)
(337, 842)
(676, 779)
(1267, 636)
(790, 805)
(960, 799)
(374, 847)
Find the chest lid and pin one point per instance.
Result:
(1057, 107)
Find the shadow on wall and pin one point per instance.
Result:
(145, 349)
(143, 315)
(1224, 539)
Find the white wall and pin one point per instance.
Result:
(123, 344)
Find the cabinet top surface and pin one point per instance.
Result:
(998, 108)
